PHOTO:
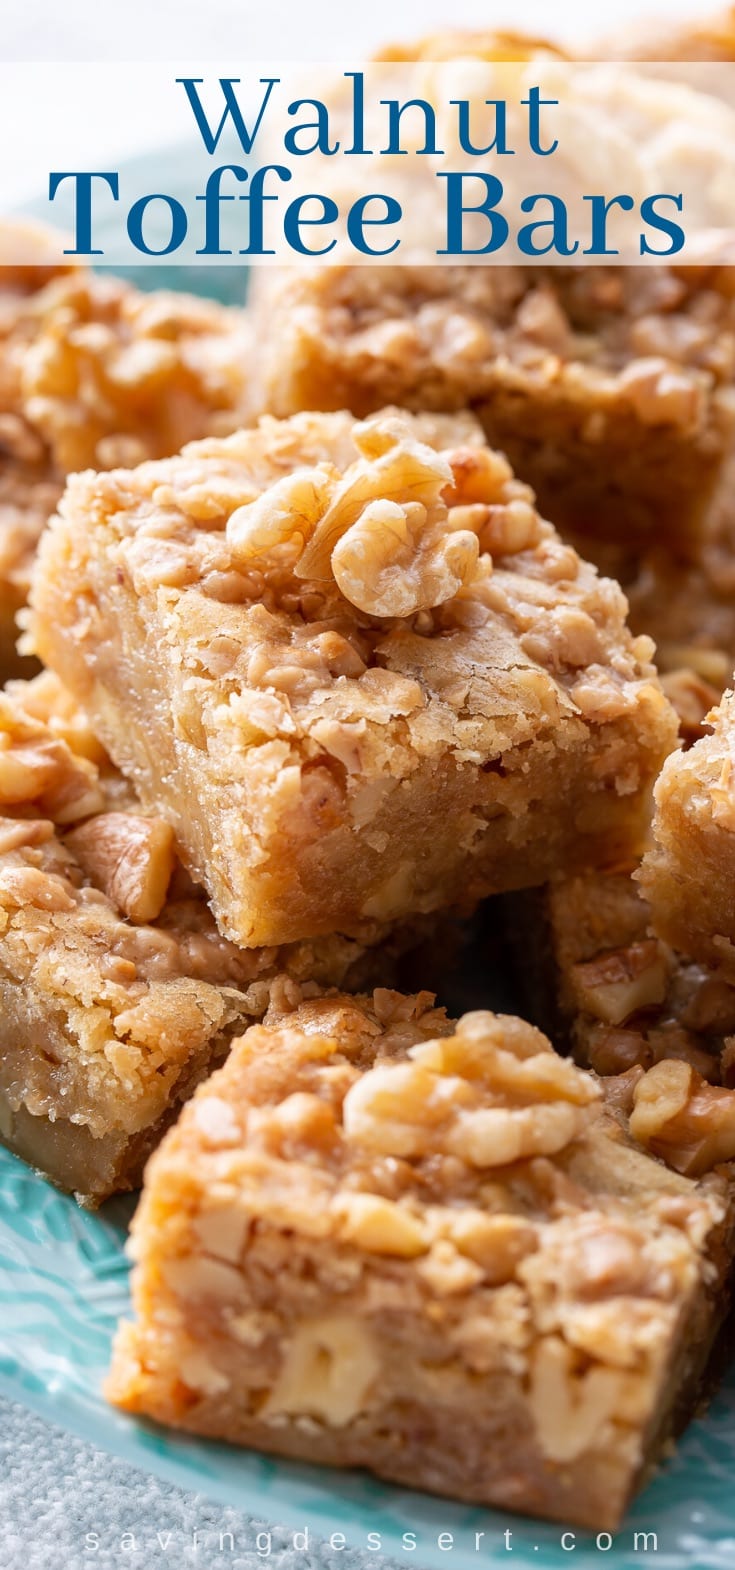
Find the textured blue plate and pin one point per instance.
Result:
(64, 1285)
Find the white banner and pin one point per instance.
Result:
(423, 163)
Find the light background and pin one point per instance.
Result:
(290, 29)
(242, 31)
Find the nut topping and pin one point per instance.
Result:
(381, 1226)
(131, 858)
(288, 511)
(329, 1370)
(37, 767)
(492, 1094)
(619, 982)
(682, 1119)
(385, 536)
(394, 561)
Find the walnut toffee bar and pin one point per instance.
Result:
(354, 669)
(684, 601)
(377, 1239)
(117, 992)
(92, 374)
(611, 389)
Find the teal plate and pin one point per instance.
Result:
(64, 1286)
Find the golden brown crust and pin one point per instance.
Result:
(371, 1228)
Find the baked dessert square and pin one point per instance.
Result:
(657, 1027)
(374, 1239)
(117, 993)
(687, 875)
(354, 669)
(610, 389)
(94, 373)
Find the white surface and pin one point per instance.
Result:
(291, 29)
(66, 1506)
(242, 32)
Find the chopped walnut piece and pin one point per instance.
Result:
(330, 1371)
(36, 767)
(23, 886)
(510, 528)
(682, 1119)
(658, 392)
(479, 475)
(46, 700)
(668, 1039)
(131, 858)
(618, 1087)
(16, 833)
(621, 981)
(569, 1408)
(208, 1278)
(612, 1050)
(393, 561)
(495, 1242)
(381, 1226)
(26, 771)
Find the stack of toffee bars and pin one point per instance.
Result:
(316, 671)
